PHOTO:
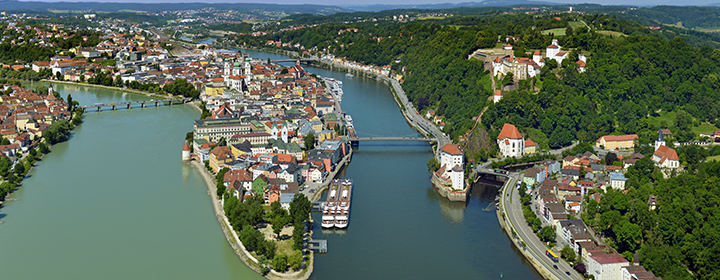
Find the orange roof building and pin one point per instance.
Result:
(510, 141)
(611, 142)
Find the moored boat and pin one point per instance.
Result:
(330, 207)
(342, 216)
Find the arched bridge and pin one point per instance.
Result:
(143, 104)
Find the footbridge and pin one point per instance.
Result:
(136, 104)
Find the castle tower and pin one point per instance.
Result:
(186, 152)
(660, 141)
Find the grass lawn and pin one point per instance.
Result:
(486, 83)
(704, 128)
(425, 18)
(612, 33)
(668, 117)
(556, 31)
(717, 158)
(576, 24)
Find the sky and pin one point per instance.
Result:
(405, 2)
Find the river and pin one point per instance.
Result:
(400, 227)
(115, 202)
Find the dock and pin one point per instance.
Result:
(318, 245)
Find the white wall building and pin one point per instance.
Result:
(511, 142)
(607, 266)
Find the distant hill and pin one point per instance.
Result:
(691, 17)
(486, 3)
(156, 7)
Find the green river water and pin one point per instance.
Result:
(114, 202)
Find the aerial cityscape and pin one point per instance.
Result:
(495, 139)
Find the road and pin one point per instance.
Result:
(513, 211)
(415, 117)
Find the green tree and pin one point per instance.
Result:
(280, 262)
(567, 253)
(19, 168)
(309, 141)
(610, 158)
(547, 234)
(433, 165)
(295, 259)
(508, 79)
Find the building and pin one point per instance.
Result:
(496, 97)
(637, 272)
(530, 147)
(573, 231)
(612, 142)
(607, 266)
(510, 141)
(214, 129)
(451, 155)
(617, 180)
(186, 152)
(666, 157)
(218, 157)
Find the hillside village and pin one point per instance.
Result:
(558, 191)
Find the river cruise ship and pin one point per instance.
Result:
(342, 214)
(328, 217)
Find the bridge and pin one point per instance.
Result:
(143, 104)
(305, 60)
(355, 141)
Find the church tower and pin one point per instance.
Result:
(660, 141)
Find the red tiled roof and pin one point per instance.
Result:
(452, 149)
(497, 92)
(529, 143)
(609, 258)
(611, 138)
(664, 153)
(509, 131)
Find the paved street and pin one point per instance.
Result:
(537, 248)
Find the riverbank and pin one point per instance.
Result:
(107, 87)
(517, 241)
(234, 239)
(231, 234)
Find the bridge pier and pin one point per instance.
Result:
(113, 107)
(99, 108)
(128, 107)
(142, 105)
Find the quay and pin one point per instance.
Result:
(319, 245)
(143, 104)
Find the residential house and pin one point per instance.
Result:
(218, 157)
(530, 147)
(617, 180)
(573, 231)
(607, 266)
(666, 158)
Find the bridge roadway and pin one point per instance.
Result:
(128, 105)
(393, 139)
(294, 60)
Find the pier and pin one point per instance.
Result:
(318, 245)
(143, 104)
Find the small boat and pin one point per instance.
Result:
(349, 75)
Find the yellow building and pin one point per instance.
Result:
(236, 152)
(213, 90)
(611, 142)
(219, 156)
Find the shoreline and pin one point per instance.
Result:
(231, 235)
(516, 239)
(107, 87)
(234, 240)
